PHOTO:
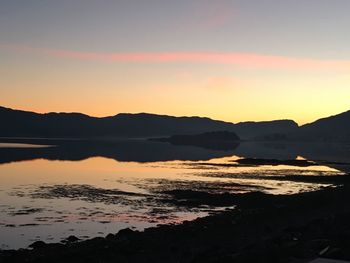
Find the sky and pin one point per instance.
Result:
(234, 60)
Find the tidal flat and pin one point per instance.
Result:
(57, 203)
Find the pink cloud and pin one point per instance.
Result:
(248, 60)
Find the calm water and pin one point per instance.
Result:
(92, 189)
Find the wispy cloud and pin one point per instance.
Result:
(249, 60)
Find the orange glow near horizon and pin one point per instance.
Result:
(272, 114)
(227, 60)
(232, 87)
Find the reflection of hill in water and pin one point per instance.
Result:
(121, 150)
(265, 151)
(146, 151)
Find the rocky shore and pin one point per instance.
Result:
(262, 228)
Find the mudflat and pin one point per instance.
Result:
(261, 228)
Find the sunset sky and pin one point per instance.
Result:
(233, 60)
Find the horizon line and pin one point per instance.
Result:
(159, 114)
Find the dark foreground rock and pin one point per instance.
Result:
(262, 228)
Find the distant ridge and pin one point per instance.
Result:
(259, 130)
(18, 123)
(335, 128)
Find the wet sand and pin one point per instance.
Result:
(261, 228)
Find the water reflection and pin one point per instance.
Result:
(120, 150)
(147, 151)
(93, 188)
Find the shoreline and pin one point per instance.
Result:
(262, 228)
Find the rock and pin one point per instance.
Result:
(110, 237)
(72, 239)
(38, 245)
(125, 233)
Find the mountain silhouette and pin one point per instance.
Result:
(17, 123)
(29, 124)
(256, 130)
(331, 129)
